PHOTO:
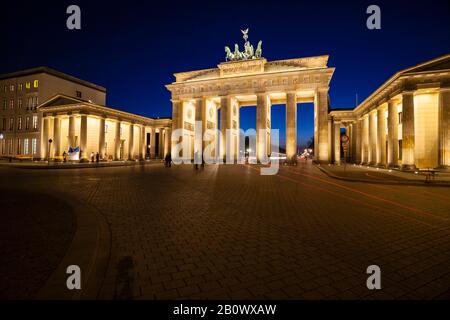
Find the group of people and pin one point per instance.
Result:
(168, 162)
(93, 157)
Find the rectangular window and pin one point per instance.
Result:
(20, 86)
(19, 123)
(27, 123)
(11, 104)
(400, 149)
(25, 146)
(400, 117)
(11, 124)
(33, 146)
(11, 88)
(36, 83)
(28, 85)
(35, 122)
(4, 124)
(30, 102)
(3, 146)
(5, 89)
(10, 146)
(5, 104)
(19, 146)
(78, 94)
(19, 104)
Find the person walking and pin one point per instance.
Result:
(168, 160)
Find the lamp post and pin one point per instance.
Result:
(48, 152)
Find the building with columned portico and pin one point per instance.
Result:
(405, 123)
(114, 134)
(199, 95)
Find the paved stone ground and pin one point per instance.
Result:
(35, 232)
(366, 173)
(229, 233)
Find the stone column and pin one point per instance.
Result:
(117, 141)
(83, 137)
(200, 115)
(381, 136)
(337, 142)
(262, 105)
(392, 156)
(365, 140)
(161, 143)
(358, 140)
(56, 137)
(291, 127)
(444, 127)
(225, 124)
(372, 138)
(71, 137)
(167, 139)
(45, 152)
(408, 133)
(142, 146)
(321, 145)
(351, 143)
(101, 138)
(131, 142)
(152, 143)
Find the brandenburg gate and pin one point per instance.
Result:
(248, 79)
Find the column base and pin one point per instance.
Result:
(393, 166)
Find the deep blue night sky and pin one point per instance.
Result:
(133, 48)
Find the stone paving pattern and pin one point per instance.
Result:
(35, 233)
(229, 233)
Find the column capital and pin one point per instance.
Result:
(393, 99)
(323, 89)
(382, 107)
(444, 89)
(408, 92)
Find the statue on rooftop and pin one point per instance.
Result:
(248, 53)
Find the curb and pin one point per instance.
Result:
(90, 250)
(77, 166)
(386, 182)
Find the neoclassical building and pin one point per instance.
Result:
(200, 95)
(404, 123)
(114, 134)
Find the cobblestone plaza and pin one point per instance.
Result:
(227, 232)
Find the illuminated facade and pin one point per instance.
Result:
(43, 104)
(405, 123)
(113, 134)
(21, 93)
